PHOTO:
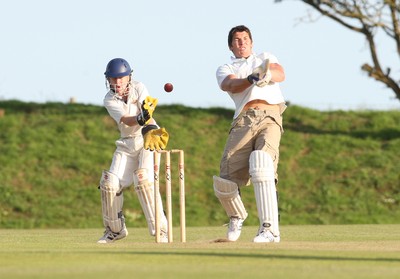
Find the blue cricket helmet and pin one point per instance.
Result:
(117, 67)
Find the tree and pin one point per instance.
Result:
(367, 17)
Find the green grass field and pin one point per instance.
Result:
(336, 167)
(306, 251)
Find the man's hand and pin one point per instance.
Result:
(154, 138)
(261, 75)
(148, 107)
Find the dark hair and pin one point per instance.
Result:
(239, 28)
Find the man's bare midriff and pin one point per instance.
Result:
(259, 105)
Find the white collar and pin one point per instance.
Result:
(242, 59)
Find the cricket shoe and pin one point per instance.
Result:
(234, 228)
(266, 236)
(110, 236)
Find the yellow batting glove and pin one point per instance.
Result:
(155, 139)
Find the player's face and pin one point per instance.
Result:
(242, 46)
(120, 85)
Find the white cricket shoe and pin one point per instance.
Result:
(110, 236)
(234, 228)
(265, 236)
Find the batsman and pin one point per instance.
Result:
(252, 150)
(129, 104)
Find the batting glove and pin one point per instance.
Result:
(261, 75)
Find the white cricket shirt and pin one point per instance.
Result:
(117, 108)
(242, 68)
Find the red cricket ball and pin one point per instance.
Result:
(168, 87)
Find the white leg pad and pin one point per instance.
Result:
(145, 192)
(228, 194)
(112, 200)
(262, 176)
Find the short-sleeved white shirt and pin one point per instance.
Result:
(242, 67)
(117, 108)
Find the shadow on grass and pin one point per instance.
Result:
(255, 256)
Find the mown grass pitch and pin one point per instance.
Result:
(329, 251)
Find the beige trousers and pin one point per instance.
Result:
(251, 130)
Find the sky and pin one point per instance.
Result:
(52, 51)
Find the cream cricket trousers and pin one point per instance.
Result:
(251, 130)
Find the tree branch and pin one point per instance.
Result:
(371, 16)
